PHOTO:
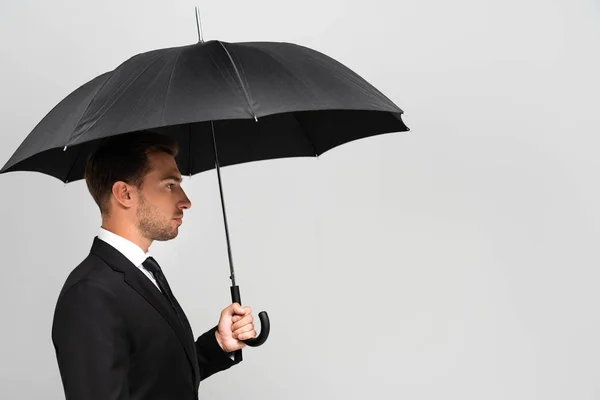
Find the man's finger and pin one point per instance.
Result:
(247, 335)
(248, 319)
(233, 309)
(237, 309)
(243, 330)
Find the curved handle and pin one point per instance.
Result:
(265, 324)
(265, 328)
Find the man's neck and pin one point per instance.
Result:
(129, 233)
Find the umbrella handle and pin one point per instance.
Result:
(265, 325)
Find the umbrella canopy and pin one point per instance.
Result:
(264, 100)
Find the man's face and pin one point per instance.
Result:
(161, 199)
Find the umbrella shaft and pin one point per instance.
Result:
(232, 276)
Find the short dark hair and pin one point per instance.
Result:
(123, 158)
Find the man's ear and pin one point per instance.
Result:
(123, 194)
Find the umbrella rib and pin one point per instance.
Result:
(246, 93)
(73, 165)
(190, 149)
(307, 135)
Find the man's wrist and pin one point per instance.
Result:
(219, 340)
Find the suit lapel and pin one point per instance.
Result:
(141, 284)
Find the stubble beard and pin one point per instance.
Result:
(152, 224)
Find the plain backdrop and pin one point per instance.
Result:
(456, 261)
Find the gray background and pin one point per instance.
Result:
(456, 261)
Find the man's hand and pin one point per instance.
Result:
(235, 325)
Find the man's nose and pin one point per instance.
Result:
(185, 202)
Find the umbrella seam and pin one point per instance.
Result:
(88, 107)
(285, 67)
(229, 78)
(246, 92)
(244, 80)
(121, 94)
(169, 86)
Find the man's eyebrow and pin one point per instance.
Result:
(174, 177)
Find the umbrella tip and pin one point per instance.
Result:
(199, 26)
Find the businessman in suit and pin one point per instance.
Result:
(118, 331)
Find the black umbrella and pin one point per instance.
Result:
(225, 103)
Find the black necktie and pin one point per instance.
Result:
(151, 265)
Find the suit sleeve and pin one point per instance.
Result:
(91, 343)
(211, 356)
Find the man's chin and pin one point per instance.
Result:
(164, 238)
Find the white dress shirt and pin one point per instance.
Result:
(130, 250)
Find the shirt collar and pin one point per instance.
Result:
(130, 250)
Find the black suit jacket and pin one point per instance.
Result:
(117, 337)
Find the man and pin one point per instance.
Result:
(118, 331)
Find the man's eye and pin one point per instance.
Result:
(170, 184)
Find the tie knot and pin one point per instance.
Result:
(151, 265)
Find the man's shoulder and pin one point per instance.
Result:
(91, 283)
(91, 268)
